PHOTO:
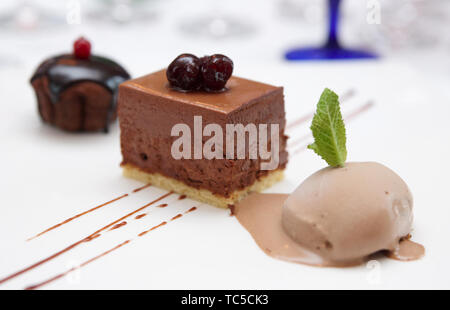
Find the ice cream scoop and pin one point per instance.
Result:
(336, 217)
(345, 214)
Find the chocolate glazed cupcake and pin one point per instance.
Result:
(77, 92)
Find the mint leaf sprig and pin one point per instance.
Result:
(328, 130)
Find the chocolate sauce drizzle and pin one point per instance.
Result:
(361, 109)
(90, 237)
(88, 211)
(118, 225)
(304, 118)
(61, 275)
(65, 70)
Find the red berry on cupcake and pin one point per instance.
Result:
(82, 48)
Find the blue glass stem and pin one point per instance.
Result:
(333, 12)
(332, 50)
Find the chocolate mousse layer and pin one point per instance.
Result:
(78, 94)
(148, 109)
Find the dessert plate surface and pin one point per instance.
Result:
(49, 176)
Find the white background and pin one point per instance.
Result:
(48, 175)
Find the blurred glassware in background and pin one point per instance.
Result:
(408, 25)
(311, 12)
(217, 23)
(123, 11)
(27, 15)
(332, 50)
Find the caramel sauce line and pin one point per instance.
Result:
(61, 275)
(86, 212)
(88, 238)
(351, 116)
(347, 95)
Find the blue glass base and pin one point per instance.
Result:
(327, 53)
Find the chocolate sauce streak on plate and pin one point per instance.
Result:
(33, 287)
(92, 237)
(347, 95)
(61, 275)
(190, 210)
(141, 188)
(182, 197)
(299, 140)
(300, 121)
(163, 205)
(86, 212)
(140, 216)
(153, 228)
(351, 116)
(77, 216)
(359, 110)
(176, 217)
(73, 245)
(118, 225)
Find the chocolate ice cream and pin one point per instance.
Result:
(336, 217)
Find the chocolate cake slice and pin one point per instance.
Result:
(148, 109)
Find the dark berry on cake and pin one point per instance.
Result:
(209, 73)
(184, 73)
(216, 70)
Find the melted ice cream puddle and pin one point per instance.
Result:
(336, 217)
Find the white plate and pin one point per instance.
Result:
(49, 176)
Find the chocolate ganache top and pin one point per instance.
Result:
(65, 70)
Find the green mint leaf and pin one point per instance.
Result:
(328, 130)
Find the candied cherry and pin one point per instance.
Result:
(82, 48)
(216, 70)
(184, 72)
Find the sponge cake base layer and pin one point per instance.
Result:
(202, 195)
